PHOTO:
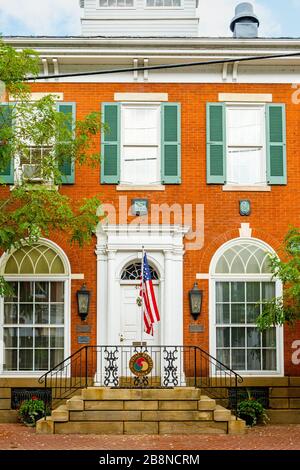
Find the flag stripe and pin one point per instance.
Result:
(150, 309)
(150, 286)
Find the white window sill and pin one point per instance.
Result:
(228, 187)
(131, 187)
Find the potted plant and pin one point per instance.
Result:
(31, 411)
(252, 411)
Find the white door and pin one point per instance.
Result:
(132, 327)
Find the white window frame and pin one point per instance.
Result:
(262, 106)
(117, 7)
(18, 171)
(216, 277)
(125, 105)
(163, 7)
(66, 278)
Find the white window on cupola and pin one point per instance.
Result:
(163, 3)
(140, 144)
(116, 3)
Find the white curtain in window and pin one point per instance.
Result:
(140, 144)
(245, 141)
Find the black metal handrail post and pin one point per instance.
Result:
(86, 367)
(45, 403)
(236, 397)
(195, 367)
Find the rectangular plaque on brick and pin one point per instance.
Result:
(84, 339)
(196, 328)
(83, 328)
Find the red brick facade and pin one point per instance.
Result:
(272, 212)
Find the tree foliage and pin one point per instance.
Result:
(284, 309)
(29, 210)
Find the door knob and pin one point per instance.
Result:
(122, 338)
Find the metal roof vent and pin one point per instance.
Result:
(245, 23)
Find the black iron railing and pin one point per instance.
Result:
(142, 366)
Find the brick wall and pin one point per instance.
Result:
(272, 213)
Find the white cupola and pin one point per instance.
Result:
(139, 18)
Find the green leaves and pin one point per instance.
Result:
(31, 411)
(15, 66)
(285, 309)
(252, 412)
(38, 136)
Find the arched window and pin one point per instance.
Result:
(241, 282)
(33, 314)
(133, 272)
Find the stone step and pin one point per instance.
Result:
(101, 410)
(236, 426)
(137, 416)
(222, 414)
(60, 414)
(102, 393)
(205, 404)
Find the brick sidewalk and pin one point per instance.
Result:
(19, 437)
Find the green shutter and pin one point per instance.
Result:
(215, 143)
(7, 172)
(110, 157)
(171, 143)
(67, 167)
(276, 144)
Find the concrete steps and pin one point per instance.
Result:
(101, 410)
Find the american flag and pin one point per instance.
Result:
(150, 309)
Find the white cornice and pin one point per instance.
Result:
(143, 228)
(81, 49)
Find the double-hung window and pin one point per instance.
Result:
(246, 149)
(141, 144)
(246, 144)
(29, 161)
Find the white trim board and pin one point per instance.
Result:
(246, 97)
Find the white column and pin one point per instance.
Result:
(167, 320)
(173, 308)
(101, 309)
(177, 293)
(111, 333)
(101, 296)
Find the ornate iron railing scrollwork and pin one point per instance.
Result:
(142, 366)
(111, 376)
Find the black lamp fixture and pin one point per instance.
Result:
(83, 301)
(195, 295)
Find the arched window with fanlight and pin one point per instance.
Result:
(34, 329)
(133, 272)
(241, 280)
